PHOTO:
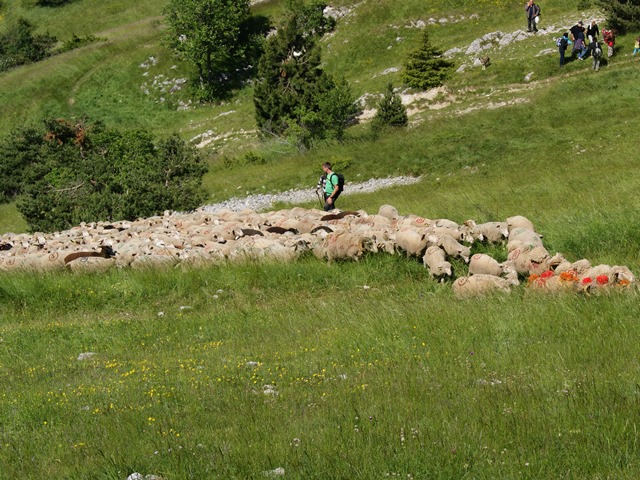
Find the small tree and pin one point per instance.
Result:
(209, 33)
(391, 112)
(621, 15)
(425, 67)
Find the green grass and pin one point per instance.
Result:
(399, 380)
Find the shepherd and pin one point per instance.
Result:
(331, 187)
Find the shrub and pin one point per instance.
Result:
(19, 45)
(391, 112)
(71, 172)
(425, 67)
(77, 42)
(51, 3)
(622, 15)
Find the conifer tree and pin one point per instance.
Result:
(425, 67)
(621, 15)
(293, 95)
(391, 112)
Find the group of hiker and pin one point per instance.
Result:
(585, 43)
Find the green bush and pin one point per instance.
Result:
(66, 173)
(77, 42)
(19, 45)
(51, 3)
(622, 15)
(391, 112)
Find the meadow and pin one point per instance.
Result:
(354, 370)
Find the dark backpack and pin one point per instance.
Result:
(562, 42)
(340, 181)
(597, 51)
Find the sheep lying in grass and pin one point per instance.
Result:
(477, 285)
(483, 264)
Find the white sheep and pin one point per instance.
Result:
(493, 232)
(518, 221)
(476, 285)
(435, 261)
(411, 241)
(388, 211)
(451, 246)
(481, 263)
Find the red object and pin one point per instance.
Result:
(547, 274)
(602, 279)
(586, 281)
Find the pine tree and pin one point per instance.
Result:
(391, 112)
(622, 15)
(425, 67)
(293, 95)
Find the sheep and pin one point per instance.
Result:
(530, 260)
(389, 212)
(578, 267)
(519, 221)
(451, 246)
(520, 236)
(435, 261)
(454, 233)
(604, 277)
(444, 222)
(413, 221)
(480, 284)
(493, 232)
(343, 245)
(91, 264)
(105, 252)
(481, 263)
(411, 242)
(470, 232)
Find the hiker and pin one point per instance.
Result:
(596, 54)
(592, 32)
(533, 16)
(636, 46)
(577, 37)
(586, 50)
(562, 43)
(331, 187)
(609, 37)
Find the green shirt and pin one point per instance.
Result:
(331, 183)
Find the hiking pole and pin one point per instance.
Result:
(319, 199)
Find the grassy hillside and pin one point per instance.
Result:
(237, 371)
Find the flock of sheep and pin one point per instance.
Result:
(200, 238)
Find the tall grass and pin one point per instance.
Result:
(300, 367)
